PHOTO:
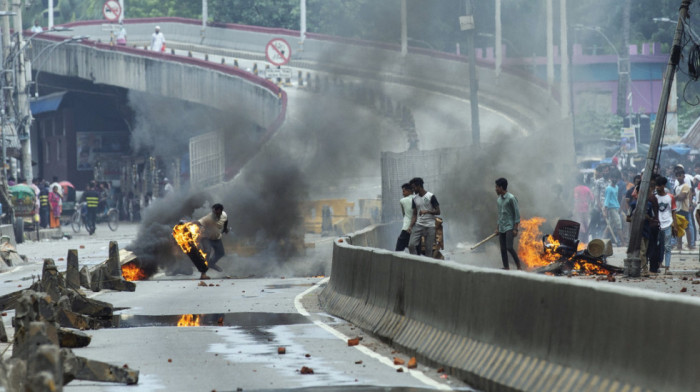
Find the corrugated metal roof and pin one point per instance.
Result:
(47, 103)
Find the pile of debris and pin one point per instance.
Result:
(49, 319)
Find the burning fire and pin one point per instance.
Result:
(132, 272)
(530, 249)
(188, 320)
(533, 253)
(187, 236)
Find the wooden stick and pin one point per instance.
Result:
(484, 241)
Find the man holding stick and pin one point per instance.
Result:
(508, 221)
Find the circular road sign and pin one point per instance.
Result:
(112, 10)
(278, 52)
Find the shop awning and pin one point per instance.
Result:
(47, 103)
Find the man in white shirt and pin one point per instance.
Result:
(425, 209)
(158, 41)
(168, 187)
(407, 211)
(213, 225)
(37, 28)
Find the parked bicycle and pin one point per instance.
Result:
(79, 218)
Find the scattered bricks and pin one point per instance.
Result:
(281, 350)
(79, 368)
(412, 363)
(398, 361)
(202, 284)
(73, 339)
(358, 362)
(308, 355)
(72, 270)
(353, 342)
(684, 289)
(44, 369)
(307, 370)
(399, 370)
(85, 277)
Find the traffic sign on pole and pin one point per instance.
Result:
(112, 10)
(278, 52)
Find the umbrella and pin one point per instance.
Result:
(64, 187)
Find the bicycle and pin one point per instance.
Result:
(79, 218)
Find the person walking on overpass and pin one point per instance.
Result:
(425, 209)
(214, 224)
(158, 41)
(92, 198)
(508, 221)
(406, 204)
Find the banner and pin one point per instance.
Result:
(628, 141)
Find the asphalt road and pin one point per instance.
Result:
(243, 324)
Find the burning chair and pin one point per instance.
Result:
(564, 242)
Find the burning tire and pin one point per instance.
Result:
(113, 219)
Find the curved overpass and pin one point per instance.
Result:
(517, 96)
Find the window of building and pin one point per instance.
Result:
(58, 150)
(47, 152)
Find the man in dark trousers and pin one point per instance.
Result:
(92, 198)
(214, 224)
(425, 209)
(508, 221)
(44, 207)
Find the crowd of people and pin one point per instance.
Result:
(605, 209)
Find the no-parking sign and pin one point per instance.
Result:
(112, 10)
(278, 51)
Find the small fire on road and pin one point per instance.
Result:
(188, 320)
(132, 272)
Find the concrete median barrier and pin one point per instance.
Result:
(515, 331)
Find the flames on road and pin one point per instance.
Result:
(187, 237)
(132, 272)
(189, 320)
(531, 251)
(533, 254)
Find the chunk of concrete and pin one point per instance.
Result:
(79, 368)
(72, 270)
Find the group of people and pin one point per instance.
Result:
(670, 215)
(420, 209)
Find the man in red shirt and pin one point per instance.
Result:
(583, 197)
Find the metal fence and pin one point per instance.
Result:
(399, 168)
(206, 159)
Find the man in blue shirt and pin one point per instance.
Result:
(611, 210)
(508, 221)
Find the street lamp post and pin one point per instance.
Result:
(48, 50)
(623, 69)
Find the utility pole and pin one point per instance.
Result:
(121, 16)
(498, 44)
(404, 30)
(564, 61)
(623, 65)
(633, 262)
(466, 23)
(205, 16)
(550, 45)
(302, 23)
(50, 15)
(24, 122)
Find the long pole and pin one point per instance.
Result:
(25, 120)
(121, 16)
(632, 262)
(50, 15)
(550, 45)
(302, 23)
(498, 44)
(404, 29)
(473, 82)
(564, 60)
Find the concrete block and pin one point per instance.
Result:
(44, 369)
(85, 277)
(79, 368)
(73, 339)
(72, 270)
